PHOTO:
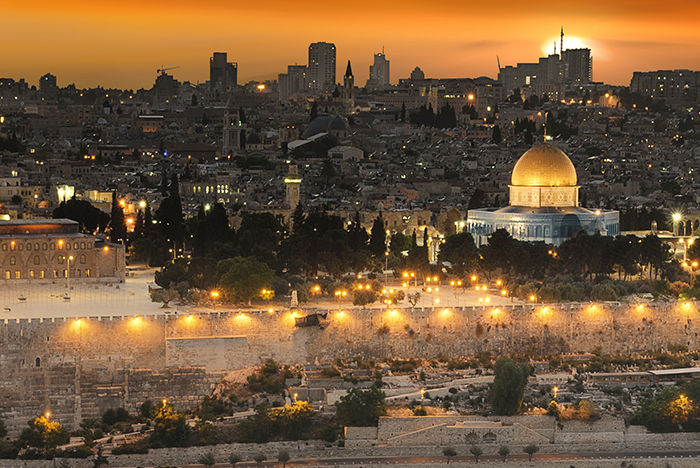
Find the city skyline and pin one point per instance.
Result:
(123, 46)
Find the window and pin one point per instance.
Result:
(20, 247)
(60, 259)
(75, 246)
(13, 261)
(44, 246)
(53, 246)
(83, 259)
(37, 362)
(29, 246)
(82, 245)
(4, 247)
(42, 274)
(7, 274)
(65, 273)
(12, 245)
(55, 273)
(31, 274)
(87, 272)
(37, 260)
(18, 275)
(67, 245)
(78, 273)
(36, 246)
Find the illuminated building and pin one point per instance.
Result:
(43, 250)
(321, 65)
(543, 203)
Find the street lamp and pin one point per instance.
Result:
(386, 261)
(676, 218)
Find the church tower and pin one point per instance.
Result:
(233, 127)
(349, 89)
(293, 184)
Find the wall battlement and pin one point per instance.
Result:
(79, 367)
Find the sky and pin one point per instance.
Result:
(121, 44)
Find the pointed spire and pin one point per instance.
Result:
(348, 71)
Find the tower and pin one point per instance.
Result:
(293, 186)
(561, 46)
(379, 72)
(321, 65)
(223, 75)
(348, 89)
(232, 129)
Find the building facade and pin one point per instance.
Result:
(543, 203)
(223, 75)
(321, 65)
(43, 250)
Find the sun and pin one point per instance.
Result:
(570, 42)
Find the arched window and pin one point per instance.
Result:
(13, 261)
(37, 362)
(29, 246)
(37, 260)
(83, 259)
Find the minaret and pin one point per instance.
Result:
(349, 89)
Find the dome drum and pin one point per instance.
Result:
(543, 196)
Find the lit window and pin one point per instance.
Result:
(31, 274)
(17, 274)
(42, 273)
(13, 261)
(83, 259)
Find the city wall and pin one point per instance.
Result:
(78, 368)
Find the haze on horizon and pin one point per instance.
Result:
(122, 44)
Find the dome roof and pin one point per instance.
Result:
(338, 123)
(544, 165)
(254, 139)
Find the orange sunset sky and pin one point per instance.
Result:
(121, 44)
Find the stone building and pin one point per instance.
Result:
(543, 203)
(42, 250)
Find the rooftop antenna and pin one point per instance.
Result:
(499, 63)
(382, 50)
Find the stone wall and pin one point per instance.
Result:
(79, 367)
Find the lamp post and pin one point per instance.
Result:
(676, 218)
(68, 272)
(386, 262)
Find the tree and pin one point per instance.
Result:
(117, 223)
(461, 252)
(531, 450)
(508, 386)
(245, 277)
(377, 239)
(207, 460)
(234, 458)
(91, 219)
(476, 451)
(504, 451)
(413, 298)
(164, 295)
(283, 457)
(259, 458)
(170, 428)
(43, 433)
(314, 112)
(449, 452)
(99, 459)
(361, 407)
(496, 135)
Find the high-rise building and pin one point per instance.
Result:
(223, 75)
(292, 82)
(667, 84)
(578, 65)
(48, 87)
(571, 66)
(321, 65)
(379, 72)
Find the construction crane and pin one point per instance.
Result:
(162, 69)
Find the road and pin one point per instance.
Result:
(519, 457)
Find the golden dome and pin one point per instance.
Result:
(544, 165)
